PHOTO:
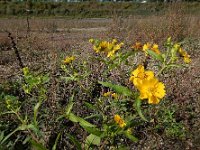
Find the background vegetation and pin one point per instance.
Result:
(89, 9)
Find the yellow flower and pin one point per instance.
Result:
(113, 95)
(91, 41)
(149, 87)
(187, 59)
(129, 130)
(25, 70)
(146, 46)
(114, 41)
(182, 52)
(139, 74)
(102, 47)
(113, 48)
(155, 48)
(109, 48)
(107, 94)
(119, 121)
(177, 46)
(137, 46)
(185, 55)
(153, 90)
(68, 60)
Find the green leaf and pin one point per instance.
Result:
(7, 112)
(56, 142)
(25, 71)
(35, 129)
(84, 123)
(73, 117)
(36, 112)
(175, 65)
(9, 135)
(93, 139)
(67, 79)
(26, 140)
(117, 88)
(75, 141)
(94, 131)
(70, 105)
(137, 105)
(130, 136)
(155, 55)
(60, 117)
(37, 146)
(80, 120)
(126, 55)
(1, 136)
(94, 116)
(90, 106)
(45, 78)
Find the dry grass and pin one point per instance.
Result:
(46, 44)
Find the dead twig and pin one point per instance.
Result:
(14, 46)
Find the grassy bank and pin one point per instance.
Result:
(88, 9)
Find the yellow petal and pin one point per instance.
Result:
(153, 100)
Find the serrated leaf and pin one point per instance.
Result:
(117, 88)
(155, 55)
(93, 139)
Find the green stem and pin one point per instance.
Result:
(164, 66)
(161, 70)
(18, 116)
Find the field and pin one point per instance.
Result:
(58, 92)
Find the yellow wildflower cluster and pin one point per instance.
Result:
(148, 85)
(153, 47)
(110, 48)
(113, 95)
(68, 60)
(119, 121)
(145, 47)
(183, 53)
(185, 56)
(137, 46)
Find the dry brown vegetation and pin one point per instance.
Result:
(49, 40)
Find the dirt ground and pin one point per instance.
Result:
(43, 43)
